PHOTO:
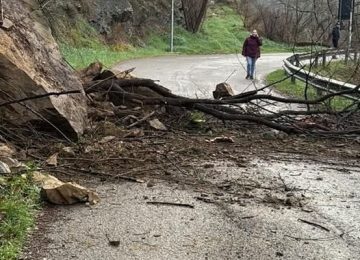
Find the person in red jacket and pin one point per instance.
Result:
(251, 50)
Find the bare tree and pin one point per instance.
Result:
(292, 21)
(194, 13)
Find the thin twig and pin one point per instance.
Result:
(170, 204)
(102, 160)
(314, 224)
(312, 239)
(141, 120)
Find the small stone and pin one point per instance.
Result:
(4, 168)
(156, 124)
(279, 254)
(114, 243)
(150, 184)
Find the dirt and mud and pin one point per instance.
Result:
(264, 196)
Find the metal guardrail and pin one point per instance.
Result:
(294, 67)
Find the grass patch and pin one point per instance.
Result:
(340, 71)
(296, 90)
(222, 32)
(19, 200)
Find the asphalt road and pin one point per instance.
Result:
(197, 76)
(258, 226)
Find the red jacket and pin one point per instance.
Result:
(251, 47)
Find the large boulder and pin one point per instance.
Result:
(31, 64)
(223, 90)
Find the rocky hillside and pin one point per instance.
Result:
(31, 63)
(114, 20)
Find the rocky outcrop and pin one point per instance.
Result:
(31, 64)
(118, 21)
(105, 14)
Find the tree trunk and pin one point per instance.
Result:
(194, 13)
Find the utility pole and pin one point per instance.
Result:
(346, 12)
(172, 27)
(350, 30)
(350, 24)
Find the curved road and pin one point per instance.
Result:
(317, 219)
(197, 76)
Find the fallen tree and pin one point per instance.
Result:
(125, 91)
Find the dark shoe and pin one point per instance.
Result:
(251, 77)
(247, 77)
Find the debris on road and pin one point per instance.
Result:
(222, 139)
(314, 224)
(171, 204)
(156, 124)
(58, 192)
(52, 160)
(112, 241)
(223, 90)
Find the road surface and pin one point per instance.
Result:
(197, 76)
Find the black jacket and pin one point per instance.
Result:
(335, 33)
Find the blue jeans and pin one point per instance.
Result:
(250, 66)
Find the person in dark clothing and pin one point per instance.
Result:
(335, 35)
(251, 50)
